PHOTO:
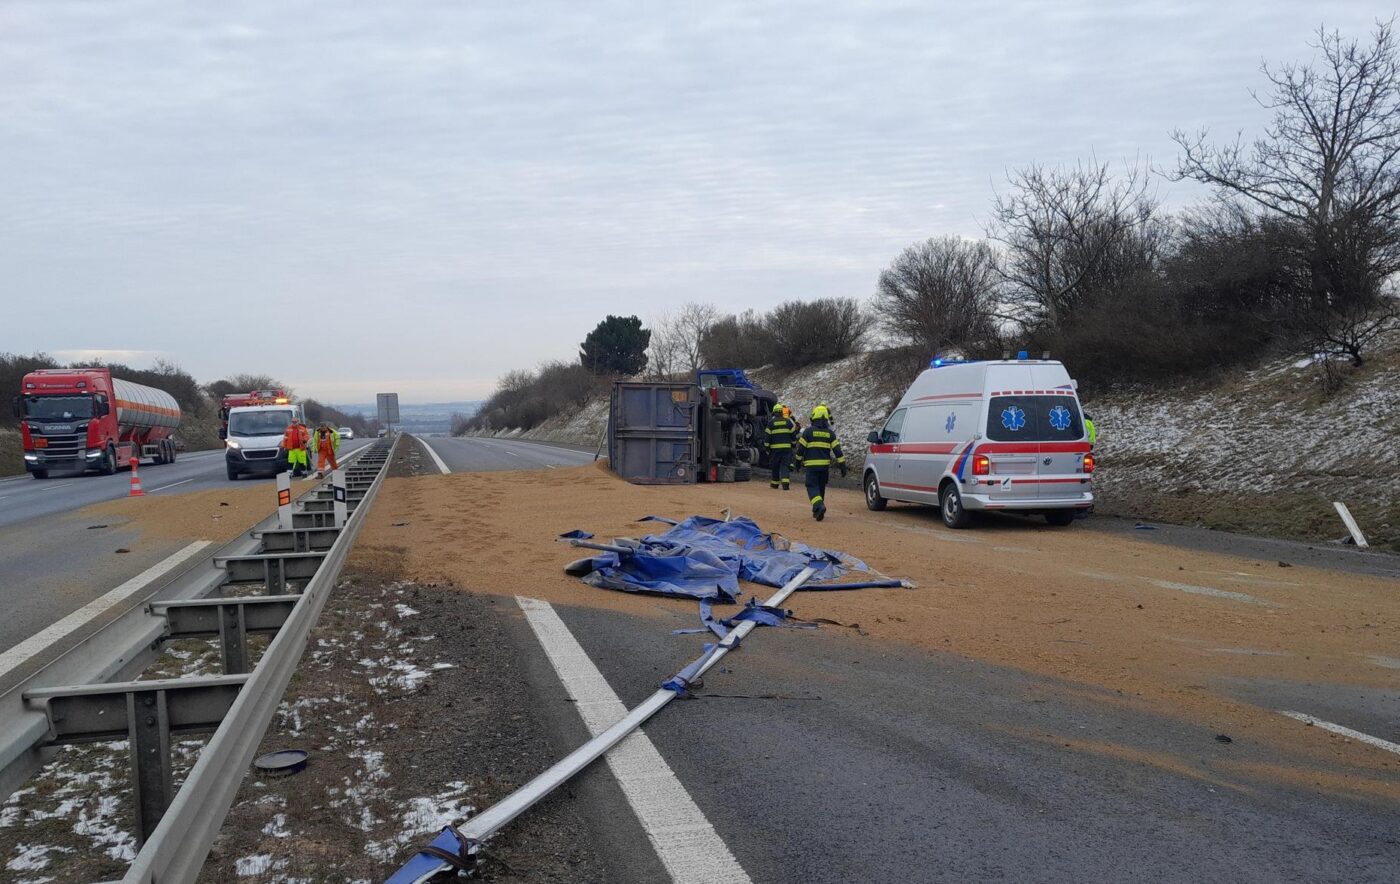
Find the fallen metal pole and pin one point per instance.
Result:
(491, 820)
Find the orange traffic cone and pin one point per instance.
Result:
(135, 481)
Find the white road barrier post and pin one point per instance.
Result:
(338, 489)
(284, 500)
(1354, 528)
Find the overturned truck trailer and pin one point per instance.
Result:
(678, 433)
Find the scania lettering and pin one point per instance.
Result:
(85, 419)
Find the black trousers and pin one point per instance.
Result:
(816, 478)
(781, 463)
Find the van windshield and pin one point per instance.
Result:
(259, 423)
(1034, 419)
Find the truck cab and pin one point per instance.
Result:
(253, 440)
(77, 419)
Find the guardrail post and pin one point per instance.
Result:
(148, 727)
(233, 639)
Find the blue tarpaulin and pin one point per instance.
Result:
(705, 558)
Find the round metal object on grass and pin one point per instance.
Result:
(283, 762)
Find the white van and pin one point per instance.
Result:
(997, 435)
(254, 439)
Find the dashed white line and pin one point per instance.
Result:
(1344, 731)
(688, 845)
(442, 467)
(21, 652)
(172, 484)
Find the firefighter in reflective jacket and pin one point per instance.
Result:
(295, 441)
(779, 440)
(817, 449)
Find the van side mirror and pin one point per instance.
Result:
(223, 432)
(874, 437)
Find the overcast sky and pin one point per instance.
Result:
(418, 197)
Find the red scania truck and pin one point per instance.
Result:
(83, 418)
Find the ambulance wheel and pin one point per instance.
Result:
(1060, 518)
(951, 506)
(109, 462)
(873, 500)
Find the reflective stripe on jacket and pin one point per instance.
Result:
(780, 434)
(818, 446)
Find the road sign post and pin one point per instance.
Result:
(338, 490)
(284, 500)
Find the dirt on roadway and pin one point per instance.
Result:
(218, 514)
(1158, 626)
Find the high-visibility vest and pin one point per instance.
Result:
(294, 437)
(817, 446)
(1089, 430)
(779, 434)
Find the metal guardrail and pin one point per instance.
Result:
(73, 697)
(176, 850)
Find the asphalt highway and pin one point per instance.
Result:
(821, 755)
(53, 560)
(472, 453)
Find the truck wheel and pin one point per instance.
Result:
(951, 506)
(873, 500)
(109, 462)
(232, 473)
(173, 451)
(1059, 518)
(40, 474)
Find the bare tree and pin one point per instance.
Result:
(824, 330)
(676, 337)
(1070, 234)
(1328, 165)
(941, 294)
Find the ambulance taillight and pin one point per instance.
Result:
(981, 465)
(1088, 463)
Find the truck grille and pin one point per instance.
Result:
(64, 443)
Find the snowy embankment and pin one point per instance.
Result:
(1264, 451)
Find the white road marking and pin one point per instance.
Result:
(172, 484)
(59, 485)
(1344, 731)
(442, 467)
(1210, 591)
(689, 847)
(40, 640)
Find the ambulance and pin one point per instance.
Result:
(997, 436)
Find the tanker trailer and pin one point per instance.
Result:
(85, 419)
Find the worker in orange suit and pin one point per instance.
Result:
(326, 441)
(295, 441)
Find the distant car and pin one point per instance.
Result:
(346, 433)
(382, 433)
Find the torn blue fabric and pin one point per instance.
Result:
(699, 575)
(424, 866)
(576, 534)
(681, 681)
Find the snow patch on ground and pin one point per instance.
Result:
(424, 816)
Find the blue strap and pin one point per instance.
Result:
(681, 680)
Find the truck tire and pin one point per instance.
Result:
(173, 451)
(743, 473)
(873, 500)
(1060, 518)
(950, 505)
(108, 467)
(40, 474)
